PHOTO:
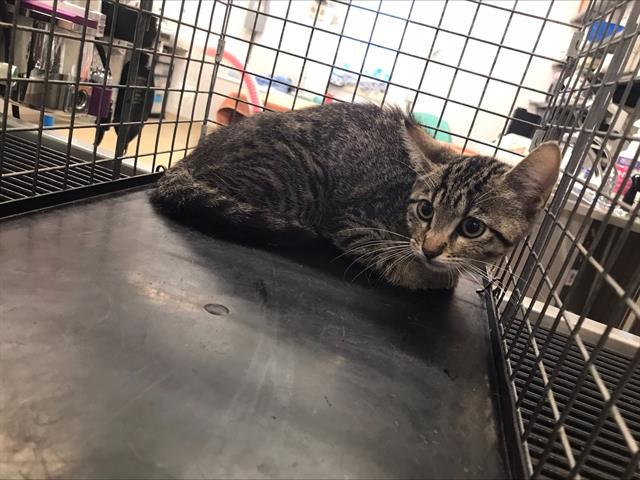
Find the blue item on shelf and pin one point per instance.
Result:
(48, 120)
(600, 30)
(343, 77)
(282, 83)
(279, 82)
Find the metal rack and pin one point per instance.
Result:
(52, 176)
(576, 398)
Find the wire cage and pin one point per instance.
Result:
(104, 94)
(575, 380)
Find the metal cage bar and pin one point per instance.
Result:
(526, 336)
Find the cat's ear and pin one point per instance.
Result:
(536, 175)
(432, 149)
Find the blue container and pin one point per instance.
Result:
(48, 120)
(279, 82)
(600, 30)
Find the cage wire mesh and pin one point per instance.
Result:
(576, 382)
(103, 91)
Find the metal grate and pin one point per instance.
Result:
(151, 77)
(54, 171)
(609, 456)
(578, 404)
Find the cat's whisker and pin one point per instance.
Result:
(378, 248)
(474, 274)
(389, 268)
(367, 268)
(406, 265)
(401, 266)
(504, 271)
(418, 170)
(385, 259)
(374, 254)
(380, 260)
(478, 271)
(469, 267)
(497, 268)
(375, 243)
(458, 270)
(377, 230)
(410, 166)
(495, 283)
(400, 263)
(426, 178)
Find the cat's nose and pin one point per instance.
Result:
(431, 252)
(433, 245)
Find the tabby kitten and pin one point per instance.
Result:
(367, 179)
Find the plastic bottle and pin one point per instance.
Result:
(623, 164)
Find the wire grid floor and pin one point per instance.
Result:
(609, 456)
(55, 170)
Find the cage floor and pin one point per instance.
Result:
(112, 367)
(610, 455)
(20, 156)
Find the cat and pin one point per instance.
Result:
(371, 181)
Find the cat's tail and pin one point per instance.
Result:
(176, 192)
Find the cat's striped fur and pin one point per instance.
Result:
(355, 175)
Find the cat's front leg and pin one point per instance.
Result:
(416, 276)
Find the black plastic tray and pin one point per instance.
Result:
(112, 365)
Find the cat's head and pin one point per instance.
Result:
(474, 209)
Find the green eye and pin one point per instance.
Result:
(425, 210)
(472, 227)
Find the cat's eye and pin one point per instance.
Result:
(472, 227)
(425, 210)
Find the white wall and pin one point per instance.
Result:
(439, 81)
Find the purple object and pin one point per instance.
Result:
(46, 7)
(100, 102)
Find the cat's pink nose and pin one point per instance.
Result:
(433, 245)
(432, 253)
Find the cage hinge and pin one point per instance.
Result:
(574, 45)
